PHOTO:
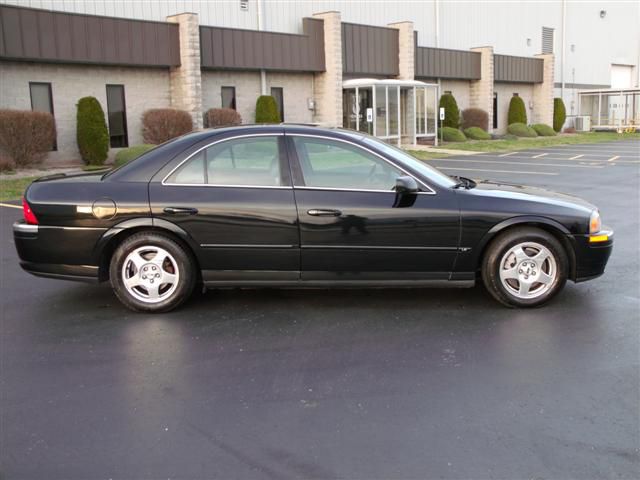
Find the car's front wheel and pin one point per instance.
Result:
(525, 267)
(151, 273)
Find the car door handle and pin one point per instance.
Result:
(180, 211)
(323, 212)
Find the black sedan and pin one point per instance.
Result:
(297, 206)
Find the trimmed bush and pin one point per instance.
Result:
(517, 111)
(6, 164)
(521, 130)
(475, 117)
(451, 112)
(559, 114)
(476, 133)
(267, 110)
(544, 130)
(162, 124)
(222, 117)
(452, 135)
(127, 154)
(91, 131)
(26, 136)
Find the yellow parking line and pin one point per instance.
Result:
(497, 171)
(10, 206)
(576, 157)
(613, 158)
(540, 155)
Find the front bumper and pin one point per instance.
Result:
(592, 257)
(45, 252)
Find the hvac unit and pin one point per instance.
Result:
(583, 123)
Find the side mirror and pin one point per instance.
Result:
(406, 184)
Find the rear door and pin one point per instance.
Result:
(353, 225)
(235, 199)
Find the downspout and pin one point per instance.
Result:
(564, 47)
(437, 12)
(263, 73)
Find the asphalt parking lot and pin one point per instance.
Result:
(337, 384)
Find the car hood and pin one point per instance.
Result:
(534, 194)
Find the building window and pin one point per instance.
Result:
(42, 100)
(117, 113)
(495, 109)
(547, 40)
(278, 94)
(228, 95)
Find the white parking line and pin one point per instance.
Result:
(504, 162)
(576, 157)
(507, 154)
(613, 158)
(496, 171)
(10, 206)
(540, 155)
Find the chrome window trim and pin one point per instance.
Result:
(429, 192)
(336, 189)
(245, 245)
(250, 135)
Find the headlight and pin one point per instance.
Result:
(595, 224)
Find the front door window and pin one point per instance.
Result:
(338, 165)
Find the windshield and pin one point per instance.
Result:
(403, 158)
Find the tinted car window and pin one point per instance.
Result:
(242, 161)
(332, 164)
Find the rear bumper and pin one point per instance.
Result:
(592, 258)
(40, 253)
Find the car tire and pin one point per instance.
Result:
(151, 272)
(525, 267)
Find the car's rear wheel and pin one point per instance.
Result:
(151, 273)
(525, 267)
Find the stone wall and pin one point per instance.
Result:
(543, 93)
(481, 91)
(328, 85)
(186, 81)
(406, 50)
(247, 85)
(460, 89)
(505, 91)
(144, 88)
(297, 88)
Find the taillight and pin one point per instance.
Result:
(29, 216)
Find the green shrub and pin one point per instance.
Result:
(508, 136)
(160, 125)
(521, 130)
(127, 154)
(451, 112)
(452, 135)
(544, 130)
(559, 114)
(91, 131)
(476, 133)
(475, 117)
(267, 110)
(517, 111)
(25, 137)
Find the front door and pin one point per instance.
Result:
(353, 225)
(235, 200)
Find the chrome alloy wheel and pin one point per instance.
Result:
(150, 274)
(528, 270)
